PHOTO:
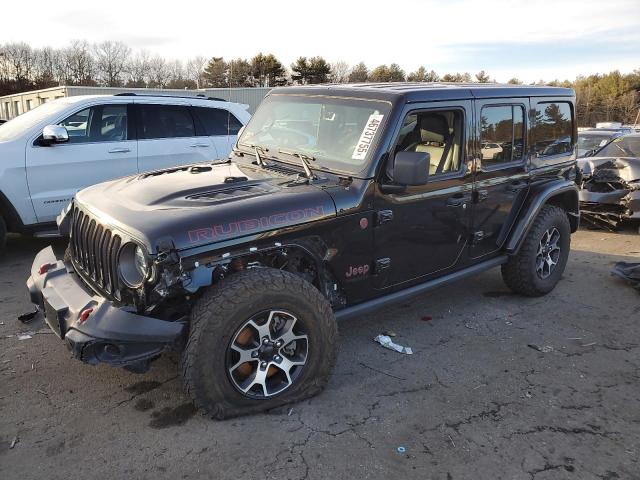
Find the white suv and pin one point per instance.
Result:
(51, 152)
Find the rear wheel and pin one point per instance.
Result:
(260, 339)
(538, 266)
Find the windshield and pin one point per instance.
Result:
(338, 133)
(589, 142)
(22, 123)
(622, 147)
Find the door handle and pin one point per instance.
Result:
(120, 150)
(458, 201)
(516, 186)
(199, 145)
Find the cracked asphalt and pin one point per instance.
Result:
(499, 387)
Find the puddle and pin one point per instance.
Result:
(142, 387)
(172, 417)
(143, 405)
(503, 293)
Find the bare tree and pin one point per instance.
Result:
(340, 71)
(44, 68)
(195, 70)
(159, 74)
(139, 69)
(80, 63)
(20, 60)
(111, 59)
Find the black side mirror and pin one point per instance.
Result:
(411, 168)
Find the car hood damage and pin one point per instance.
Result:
(196, 205)
(610, 190)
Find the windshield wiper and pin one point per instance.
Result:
(304, 160)
(258, 151)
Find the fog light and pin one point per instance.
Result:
(85, 314)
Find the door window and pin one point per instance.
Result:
(165, 121)
(553, 129)
(101, 123)
(501, 134)
(215, 121)
(438, 133)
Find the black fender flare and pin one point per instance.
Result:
(560, 192)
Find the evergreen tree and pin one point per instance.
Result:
(215, 73)
(359, 73)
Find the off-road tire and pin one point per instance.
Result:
(519, 273)
(223, 308)
(3, 234)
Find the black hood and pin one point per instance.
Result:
(202, 204)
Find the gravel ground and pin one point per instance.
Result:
(499, 386)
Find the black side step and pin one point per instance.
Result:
(398, 296)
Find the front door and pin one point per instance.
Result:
(423, 230)
(167, 137)
(100, 147)
(501, 179)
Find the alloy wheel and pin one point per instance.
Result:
(267, 354)
(548, 253)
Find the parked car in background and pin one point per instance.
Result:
(590, 141)
(490, 151)
(614, 127)
(610, 187)
(51, 152)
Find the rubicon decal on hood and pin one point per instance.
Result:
(251, 225)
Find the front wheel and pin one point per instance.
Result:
(259, 339)
(538, 266)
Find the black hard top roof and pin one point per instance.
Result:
(419, 92)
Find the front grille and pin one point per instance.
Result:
(94, 251)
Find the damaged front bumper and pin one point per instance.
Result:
(610, 190)
(107, 334)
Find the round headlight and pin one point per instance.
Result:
(133, 265)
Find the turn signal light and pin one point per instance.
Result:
(85, 314)
(44, 268)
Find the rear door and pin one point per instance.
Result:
(167, 137)
(501, 179)
(220, 125)
(101, 147)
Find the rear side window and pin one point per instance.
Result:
(165, 121)
(553, 129)
(216, 121)
(502, 134)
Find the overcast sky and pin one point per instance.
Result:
(528, 39)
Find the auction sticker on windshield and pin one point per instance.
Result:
(366, 139)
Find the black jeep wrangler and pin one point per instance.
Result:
(336, 201)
